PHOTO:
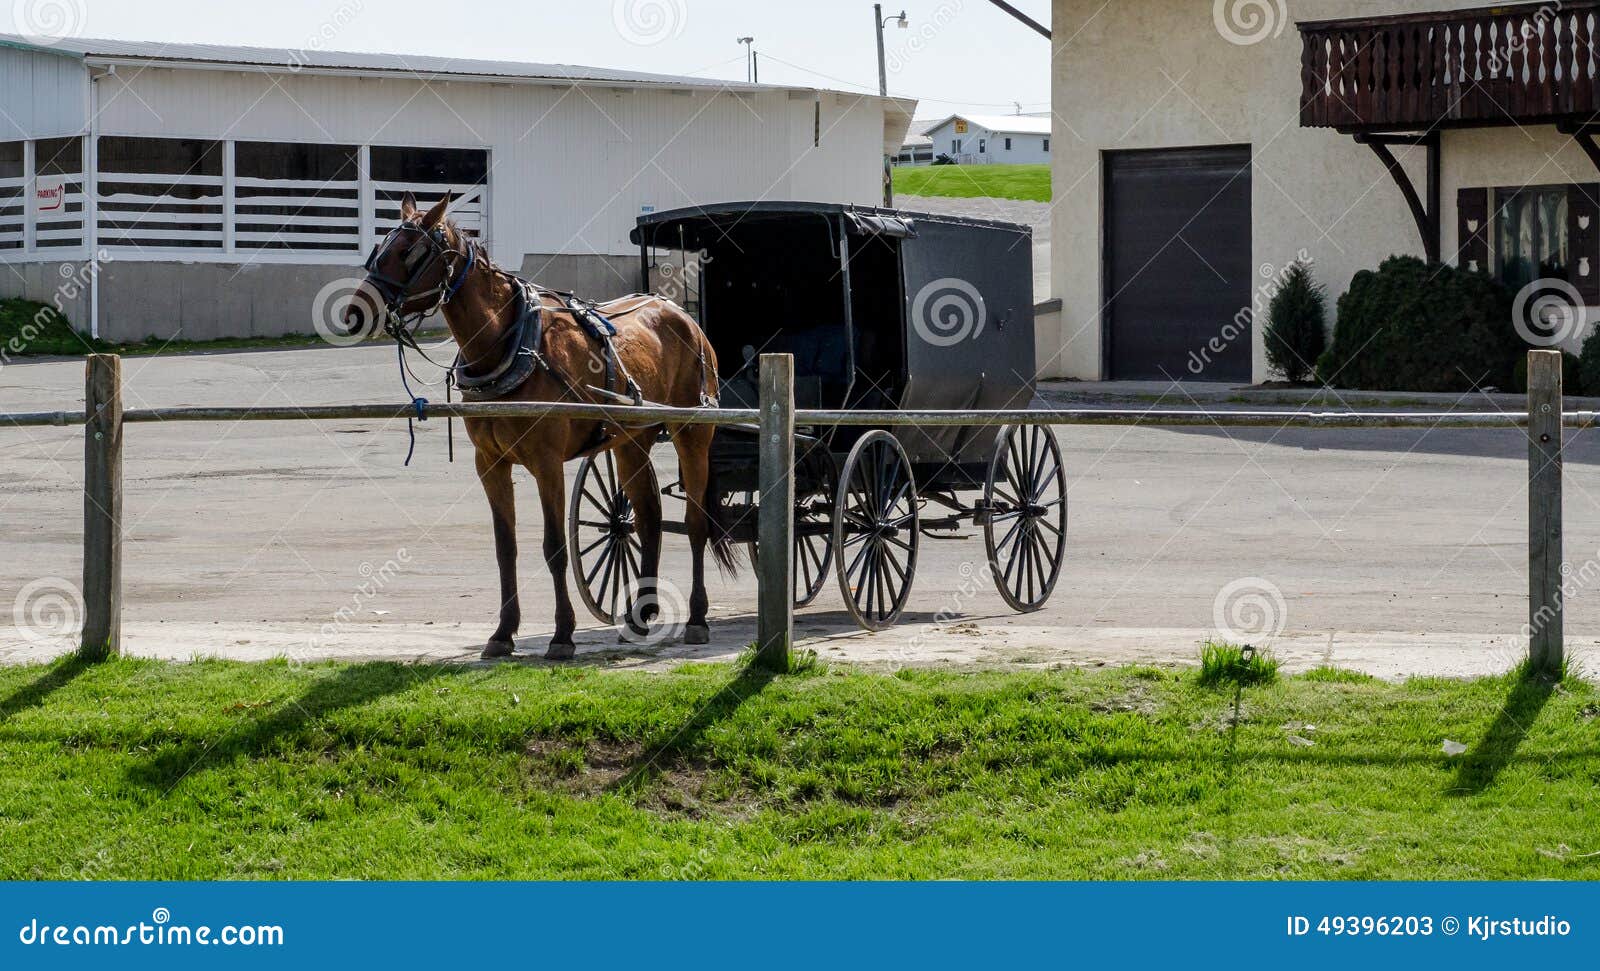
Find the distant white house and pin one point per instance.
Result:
(992, 139)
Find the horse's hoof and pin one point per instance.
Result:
(495, 649)
(560, 651)
(697, 634)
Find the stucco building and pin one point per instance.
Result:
(1200, 148)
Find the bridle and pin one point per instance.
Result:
(396, 293)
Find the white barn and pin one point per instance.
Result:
(992, 139)
(224, 188)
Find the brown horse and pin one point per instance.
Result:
(427, 264)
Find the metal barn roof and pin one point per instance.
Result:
(157, 52)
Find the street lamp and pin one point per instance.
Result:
(879, 21)
(749, 57)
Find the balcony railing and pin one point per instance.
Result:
(1530, 63)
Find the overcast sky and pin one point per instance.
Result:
(956, 55)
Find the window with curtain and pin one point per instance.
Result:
(1531, 234)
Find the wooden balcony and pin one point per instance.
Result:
(1510, 65)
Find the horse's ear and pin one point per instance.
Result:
(436, 214)
(408, 207)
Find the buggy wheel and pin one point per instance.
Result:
(816, 482)
(876, 530)
(1025, 525)
(813, 529)
(602, 541)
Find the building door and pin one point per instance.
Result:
(1177, 265)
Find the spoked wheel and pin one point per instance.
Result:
(1025, 529)
(604, 546)
(816, 482)
(813, 529)
(875, 530)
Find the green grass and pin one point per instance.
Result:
(138, 769)
(1029, 182)
(1231, 666)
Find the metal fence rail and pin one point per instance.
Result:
(777, 419)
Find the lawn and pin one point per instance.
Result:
(1030, 182)
(221, 770)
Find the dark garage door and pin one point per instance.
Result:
(1178, 264)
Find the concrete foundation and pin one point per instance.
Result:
(64, 286)
(590, 275)
(208, 301)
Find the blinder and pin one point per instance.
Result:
(418, 260)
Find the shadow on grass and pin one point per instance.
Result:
(752, 680)
(351, 687)
(33, 694)
(1480, 767)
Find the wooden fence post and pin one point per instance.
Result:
(102, 508)
(1545, 648)
(774, 538)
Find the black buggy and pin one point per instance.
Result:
(882, 311)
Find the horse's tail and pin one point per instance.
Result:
(723, 547)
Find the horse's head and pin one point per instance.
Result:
(411, 273)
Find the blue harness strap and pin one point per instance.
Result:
(418, 403)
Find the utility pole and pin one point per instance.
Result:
(749, 57)
(878, 23)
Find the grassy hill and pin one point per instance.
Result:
(1027, 182)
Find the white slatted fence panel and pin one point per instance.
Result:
(161, 211)
(13, 195)
(297, 215)
(466, 204)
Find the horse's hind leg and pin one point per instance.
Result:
(633, 466)
(693, 443)
(548, 471)
(495, 476)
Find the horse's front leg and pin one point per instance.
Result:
(495, 475)
(552, 502)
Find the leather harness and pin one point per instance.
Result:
(523, 354)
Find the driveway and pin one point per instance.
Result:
(1396, 551)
